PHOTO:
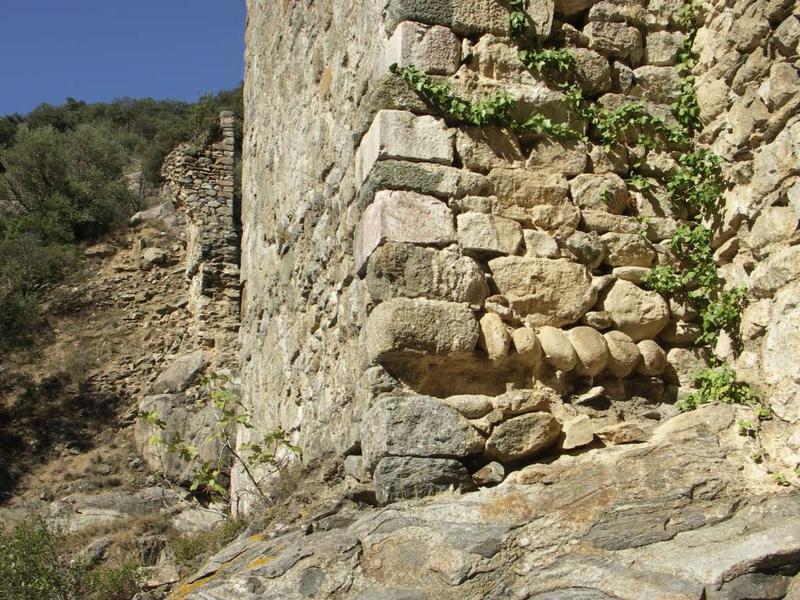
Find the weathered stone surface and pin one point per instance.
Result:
(662, 47)
(548, 292)
(430, 179)
(593, 71)
(567, 157)
(599, 319)
(491, 474)
(623, 354)
(521, 188)
(539, 244)
(527, 345)
(80, 512)
(471, 406)
(397, 134)
(494, 337)
(416, 426)
(152, 257)
(523, 437)
(634, 311)
(558, 351)
(779, 269)
(622, 433)
(482, 233)
(657, 84)
(435, 50)
(601, 221)
(615, 40)
(402, 217)
(780, 350)
(587, 248)
(684, 363)
(591, 349)
(628, 250)
(403, 326)
(600, 192)
(653, 361)
(180, 374)
(774, 225)
(519, 402)
(397, 478)
(462, 16)
(483, 149)
(578, 431)
(633, 274)
(409, 271)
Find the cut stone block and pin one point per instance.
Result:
(478, 232)
(462, 16)
(398, 134)
(405, 270)
(416, 426)
(402, 326)
(409, 477)
(446, 183)
(402, 217)
(435, 50)
(547, 292)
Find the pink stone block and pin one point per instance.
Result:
(402, 217)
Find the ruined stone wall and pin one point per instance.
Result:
(441, 302)
(200, 181)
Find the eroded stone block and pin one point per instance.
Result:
(416, 426)
(483, 233)
(398, 134)
(435, 50)
(523, 437)
(409, 477)
(462, 16)
(402, 217)
(401, 327)
(409, 271)
(546, 291)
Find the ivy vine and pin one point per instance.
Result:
(697, 185)
(494, 110)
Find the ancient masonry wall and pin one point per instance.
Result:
(200, 182)
(434, 303)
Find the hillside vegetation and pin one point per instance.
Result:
(71, 173)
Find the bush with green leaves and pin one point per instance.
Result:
(274, 450)
(34, 565)
(718, 384)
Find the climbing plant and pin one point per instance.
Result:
(696, 186)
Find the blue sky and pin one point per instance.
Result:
(98, 50)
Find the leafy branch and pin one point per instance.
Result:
(494, 110)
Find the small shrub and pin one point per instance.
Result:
(34, 565)
(717, 384)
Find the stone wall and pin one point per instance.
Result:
(439, 303)
(200, 183)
